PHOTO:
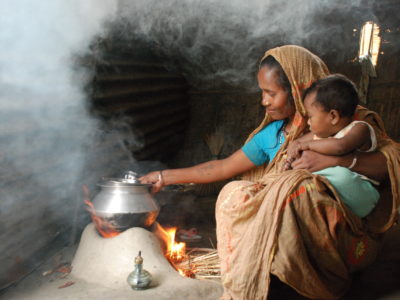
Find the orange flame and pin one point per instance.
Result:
(175, 251)
(106, 229)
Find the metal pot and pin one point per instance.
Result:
(125, 202)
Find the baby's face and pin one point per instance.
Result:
(318, 118)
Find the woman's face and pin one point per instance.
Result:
(274, 97)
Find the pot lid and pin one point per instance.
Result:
(130, 179)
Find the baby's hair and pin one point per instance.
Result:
(335, 92)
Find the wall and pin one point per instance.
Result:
(384, 90)
(133, 91)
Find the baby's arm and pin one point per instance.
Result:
(356, 138)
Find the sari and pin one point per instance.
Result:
(293, 224)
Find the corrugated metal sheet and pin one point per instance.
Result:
(149, 100)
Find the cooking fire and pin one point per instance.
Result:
(125, 245)
(124, 203)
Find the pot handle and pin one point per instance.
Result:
(131, 177)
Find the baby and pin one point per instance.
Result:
(330, 104)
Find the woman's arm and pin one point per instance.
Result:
(210, 171)
(370, 164)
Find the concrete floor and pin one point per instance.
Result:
(381, 281)
(100, 268)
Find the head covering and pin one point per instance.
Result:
(302, 68)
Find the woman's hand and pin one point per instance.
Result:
(155, 179)
(313, 161)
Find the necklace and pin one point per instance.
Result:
(282, 134)
(281, 138)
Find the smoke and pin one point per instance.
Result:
(45, 130)
(38, 40)
(43, 113)
(214, 40)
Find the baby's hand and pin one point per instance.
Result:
(287, 165)
(294, 150)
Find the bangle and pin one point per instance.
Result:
(353, 163)
(160, 177)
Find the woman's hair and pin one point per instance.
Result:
(273, 64)
(335, 92)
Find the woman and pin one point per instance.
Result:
(291, 224)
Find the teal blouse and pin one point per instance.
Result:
(265, 144)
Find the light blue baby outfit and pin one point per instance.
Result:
(357, 193)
